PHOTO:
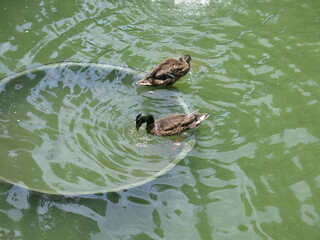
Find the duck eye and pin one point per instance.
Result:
(138, 117)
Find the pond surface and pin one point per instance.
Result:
(71, 127)
(254, 171)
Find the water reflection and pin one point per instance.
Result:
(144, 211)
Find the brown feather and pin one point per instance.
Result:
(167, 72)
(175, 124)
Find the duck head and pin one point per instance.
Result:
(142, 118)
(186, 58)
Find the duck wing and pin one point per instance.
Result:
(166, 73)
(174, 121)
(174, 124)
(164, 70)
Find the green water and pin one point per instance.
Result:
(71, 125)
(254, 171)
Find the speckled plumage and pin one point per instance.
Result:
(167, 72)
(170, 125)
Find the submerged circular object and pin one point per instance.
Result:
(69, 128)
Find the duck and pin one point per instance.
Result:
(170, 125)
(167, 72)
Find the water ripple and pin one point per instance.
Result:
(77, 122)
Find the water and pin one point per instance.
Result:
(72, 126)
(253, 173)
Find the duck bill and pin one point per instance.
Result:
(138, 125)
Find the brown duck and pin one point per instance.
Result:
(170, 125)
(167, 72)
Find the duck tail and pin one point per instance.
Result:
(144, 82)
(201, 117)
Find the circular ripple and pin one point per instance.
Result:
(69, 128)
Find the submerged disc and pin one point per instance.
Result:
(69, 128)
